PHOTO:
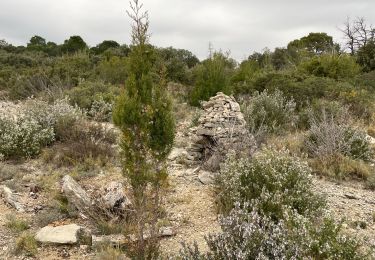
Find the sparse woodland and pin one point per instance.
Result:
(113, 146)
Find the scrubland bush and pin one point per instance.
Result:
(271, 180)
(332, 134)
(269, 113)
(247, 234)
(83, 142)
(211, 76)
(332, 66)
(26, 129)
(100, 110)
(113, 70)
(22, 135)
(87, 92)
(271, 212)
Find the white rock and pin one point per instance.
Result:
(113, 240)
(11, 198)
(115, 196)
(176, 153)
(206, 177)
(67, 234)
(75, 194)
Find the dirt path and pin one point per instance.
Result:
(189, 204)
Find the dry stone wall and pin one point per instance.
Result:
(221, 127)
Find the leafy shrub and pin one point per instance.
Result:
(100, 110)
(113, 70)
(72, 69)
(26, 129)
(331, 66)
(22, 135)
(268, 113)
(271, 180)
(247, 234)
(211, 76)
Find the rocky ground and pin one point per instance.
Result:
(189, 203)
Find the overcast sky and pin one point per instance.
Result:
(240, 26)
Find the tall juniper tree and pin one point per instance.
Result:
(143, 113)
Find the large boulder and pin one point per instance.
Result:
(64, 235)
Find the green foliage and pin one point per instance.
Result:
(113, 70)
(366, 56)
(26, 244)
(103, 46)
(211, 76)
(71, 69)
(268, 113)
(271, 180)
(25, 130)
(315, 43)
(331, 66)
(73, 44)
(178, 63)
(86, 93)
(143, 112)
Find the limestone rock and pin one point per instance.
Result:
(176, 153)
(115, 197)
(206, 177)
(114, 240)
(75, 194)
(167, 232)
(11, 198)
(66, 234)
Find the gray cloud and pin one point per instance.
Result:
(241, 26)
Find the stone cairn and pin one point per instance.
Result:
(221, 128)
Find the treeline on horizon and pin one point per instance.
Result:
(307, 69)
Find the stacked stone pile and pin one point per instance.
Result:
(221, 128)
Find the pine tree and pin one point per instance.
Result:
(143, 113)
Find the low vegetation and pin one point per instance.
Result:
(85, 111)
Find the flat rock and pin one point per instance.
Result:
(167, 232)
(176, 153)
(206, 178)
(66, 234)
(113, 240)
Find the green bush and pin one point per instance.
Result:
(271, 180)
(113, 70)
(211, 76)
(269, 113)
(247, 234)
(87, 92)
(22, 135)
(26, 128)
(331, 66)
